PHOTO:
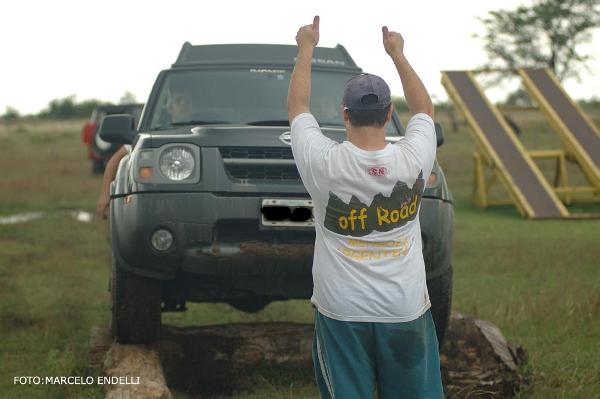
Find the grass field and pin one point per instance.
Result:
(537, 280)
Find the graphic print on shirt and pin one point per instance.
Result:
(374, 250)
(384, 214)
(378, 171)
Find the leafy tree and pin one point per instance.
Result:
(128, 98)
(11, 114)
(400, 104)
(546, 33)
(60, 108)
(591, 103)
(85, 108)
(68, 107)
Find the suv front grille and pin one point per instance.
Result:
(256, 153)
(260, 163)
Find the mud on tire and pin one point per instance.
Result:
(136, 307)
(440, 294)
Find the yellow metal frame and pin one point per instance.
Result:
(567, 193)
(572, 145)
(491, 158)
(489, 155)
(482, 184)
(485, 176)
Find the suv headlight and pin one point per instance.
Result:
(432, 180)
(176, 163)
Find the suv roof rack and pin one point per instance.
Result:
(261, 54)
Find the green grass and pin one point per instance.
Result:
(52, 290)
(537, 280)
(45, 168)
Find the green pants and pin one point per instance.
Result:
(400, 360)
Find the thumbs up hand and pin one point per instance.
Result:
(308, 35)
(392, 42)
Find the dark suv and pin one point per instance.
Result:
(212, 209)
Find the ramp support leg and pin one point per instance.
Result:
(479, 194)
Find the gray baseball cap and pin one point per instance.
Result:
(366, 92)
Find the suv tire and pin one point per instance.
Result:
(136, 311)
(101, 147)
(440, 294)
(250, 305)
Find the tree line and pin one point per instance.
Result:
(66, 108)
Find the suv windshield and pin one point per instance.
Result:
(255, 96)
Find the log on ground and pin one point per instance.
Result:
(476, 360)
(129, 371)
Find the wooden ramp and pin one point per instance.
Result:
(580, 136)
(528, 188)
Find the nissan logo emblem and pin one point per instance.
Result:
(286, 137)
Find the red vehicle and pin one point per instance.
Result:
(100, 151)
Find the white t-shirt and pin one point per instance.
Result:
(368, 261)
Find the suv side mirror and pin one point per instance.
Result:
(439, 133)
(117, 129)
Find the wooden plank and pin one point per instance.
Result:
(576, 129)
(519, 173)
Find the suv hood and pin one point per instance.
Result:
(237, 150)
(235, 136)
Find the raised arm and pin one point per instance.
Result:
(109, 175)
(415, 93)
(299, 90)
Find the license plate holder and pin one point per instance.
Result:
(274, 210)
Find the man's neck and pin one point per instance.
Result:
(368, 138)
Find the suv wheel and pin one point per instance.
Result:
(103, 148)
(440, 294)
(250, 305)
(136, 309)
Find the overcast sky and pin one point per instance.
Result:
(100, 49)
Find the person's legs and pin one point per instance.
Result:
(408, 362)
(343, 358)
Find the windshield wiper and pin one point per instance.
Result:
(272, 122)
(200, 122)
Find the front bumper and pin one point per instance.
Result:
(213, 235)
(218, 242)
